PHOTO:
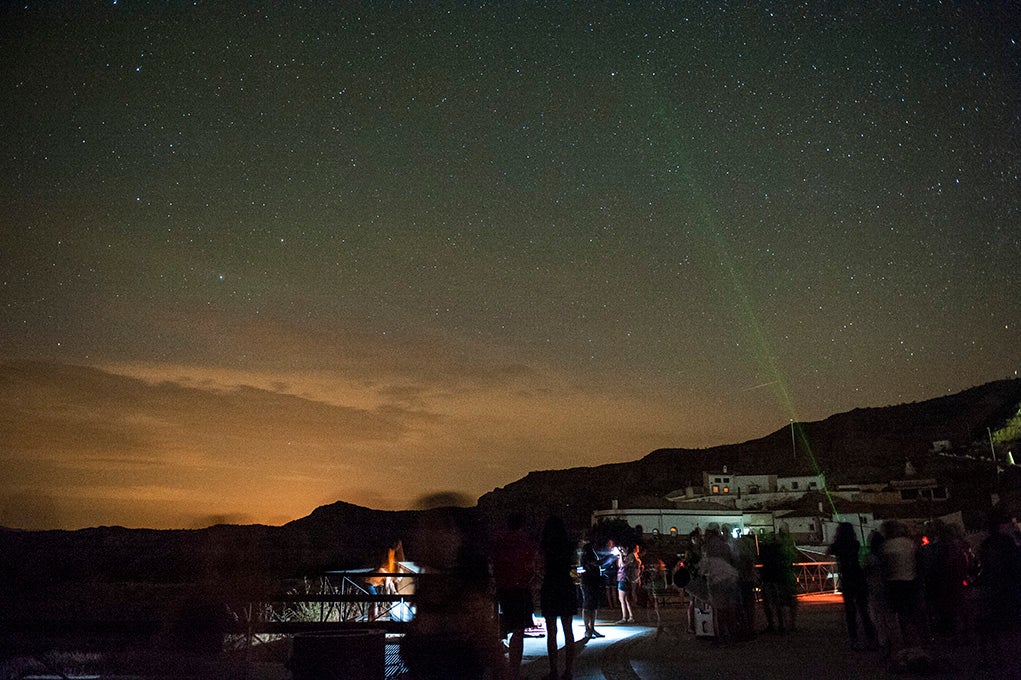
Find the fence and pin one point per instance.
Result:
(339, 601)
(817, 577)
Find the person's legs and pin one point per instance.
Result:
(861, 600)
(629, 600)
(516, 648)
(567, 623)
(851, 616)
(746, 619)
(771, 607)
(593, 615)
(551, 644)
(622, 598)
(903, 604)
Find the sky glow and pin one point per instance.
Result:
(257, 260)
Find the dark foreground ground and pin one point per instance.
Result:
(651, 649)
(818, 649)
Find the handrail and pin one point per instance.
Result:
(817, 577)
(338, 605)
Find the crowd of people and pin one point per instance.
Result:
(900, 591)
(729, 575)
(911, 587)
(455, 633)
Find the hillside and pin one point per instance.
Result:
(861, 445)
(870, 444)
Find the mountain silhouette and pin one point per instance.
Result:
(863, 445)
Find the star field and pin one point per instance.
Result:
(485, 238)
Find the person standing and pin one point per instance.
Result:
(999, 590)
(558, 598)
(514, 567)
(610, 554)
(779, 583)
(845, 548)
(722, 580)
(900, 574)
(592, 588)
(879, 611)
(454, 631)
(635, 572)
(625, 563)
(745, 554)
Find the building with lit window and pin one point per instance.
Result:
(762, 504)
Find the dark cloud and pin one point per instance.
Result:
(213, 520)
(73, 433)
(55, 406)
(33, 510)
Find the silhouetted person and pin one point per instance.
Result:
(454, 632)
(717, 566)
(845, 548)
(558, 598)
(592, 588)
(514, 563)
(900, 574)
(779, 584)
(691, 565)
(610, 555)
(879, 612)
(745, 555)
(946, 562)
(999, 584)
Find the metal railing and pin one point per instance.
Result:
(345, 601)
(337, 602)
(817, 577)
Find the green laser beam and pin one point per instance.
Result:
(762, 351)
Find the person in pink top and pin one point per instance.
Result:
(514, 566)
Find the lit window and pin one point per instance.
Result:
(716, 489)
(726, 489)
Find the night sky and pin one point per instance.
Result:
(259, 258)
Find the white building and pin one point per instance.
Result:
(746, 491)
(762, 504)
(674, 522)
